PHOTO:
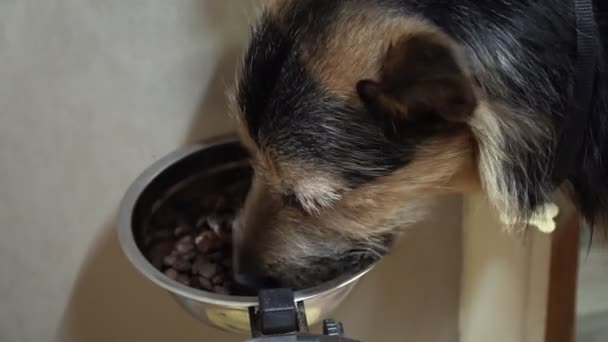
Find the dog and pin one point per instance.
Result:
(355, 113)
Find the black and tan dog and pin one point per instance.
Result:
(356, 112)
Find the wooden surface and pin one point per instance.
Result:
(561, 305)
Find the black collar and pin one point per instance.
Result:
(573, 135)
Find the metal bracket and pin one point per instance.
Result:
(278, 313)
(278, 318)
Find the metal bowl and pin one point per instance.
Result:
(218, 163)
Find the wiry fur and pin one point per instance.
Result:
(341, 172)
(509, 144)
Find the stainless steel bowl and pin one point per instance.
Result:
(218, 163)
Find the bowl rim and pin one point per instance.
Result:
(139, 261)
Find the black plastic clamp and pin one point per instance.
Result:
(277, 313)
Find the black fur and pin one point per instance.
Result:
(288, 110)
(522, 58)
(277, 95)
(542, 37)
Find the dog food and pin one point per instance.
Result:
(189, 239)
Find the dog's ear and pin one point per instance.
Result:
(419, 76)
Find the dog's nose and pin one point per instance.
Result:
(249, 274)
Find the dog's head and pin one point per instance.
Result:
(353, 117)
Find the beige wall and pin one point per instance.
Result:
(93, 91)
(504, 279)
(592, 297)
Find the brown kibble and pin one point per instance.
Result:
(189, 256)
(182, 265)
(189, 237)
(171, 273)
(204, 268)
(185, 245)
(197, 263)
(220, 290)
(170, 259)
(221, 226)
(205, 283)
(184, 279)
(186, 240)
(207, 242)
(157, 252)
(208, 270)
(215, 224)
(218, 279)
(182, 229)
(184, 248)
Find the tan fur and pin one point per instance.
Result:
(359, 213)
(314, 188)
(275, 7)
(441, 166)
(329, 212)
(355, 48)
(246, 139)
(490, 123)
(412, 182)
(364, 213)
